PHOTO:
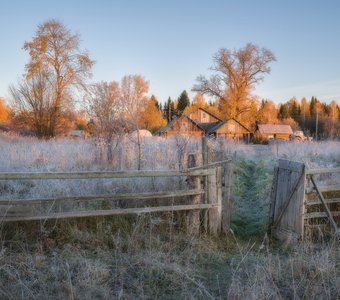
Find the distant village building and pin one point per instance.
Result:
(270, 131)
(77, 134)
(203, 123)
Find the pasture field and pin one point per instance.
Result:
(151, 256)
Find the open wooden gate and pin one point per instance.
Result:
(300, 202)
(287, 201)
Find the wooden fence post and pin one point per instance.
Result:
(215, 197)
(205, 161)
(228, 170)
(205, 151)
(194, 182)
(273, 199)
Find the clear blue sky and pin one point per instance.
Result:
(170, 43)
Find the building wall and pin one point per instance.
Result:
(266, 136)
(232, 130)
(200, 116)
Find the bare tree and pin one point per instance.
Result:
(56, 66)
(235, 75)
(133, 93)
(105, 107)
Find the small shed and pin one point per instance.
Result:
(273, 131)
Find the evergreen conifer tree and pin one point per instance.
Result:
(183, 102)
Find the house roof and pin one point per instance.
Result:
(210, 127)
(207, 128)
(274, 129)
(164, 129)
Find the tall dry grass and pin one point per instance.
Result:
(151, 256)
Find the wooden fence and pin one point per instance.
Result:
(303, 202)
(208, 190)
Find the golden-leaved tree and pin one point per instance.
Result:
(57, 65)
(235, 74)
(151, 118)
(4, 111)
(267, 114)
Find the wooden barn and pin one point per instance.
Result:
(203, 123)
(271, 131)
(232, 129)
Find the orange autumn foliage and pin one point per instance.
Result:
(4, 111)
(151, 118)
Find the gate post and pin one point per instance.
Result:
(228, 170)
(205, 161)
(215, 198)
(194, 182)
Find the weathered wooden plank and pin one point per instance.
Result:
(114, 197)
(194, 182)
(273, 197)
(211, 165)
(300, 204)
(324, 188)
(291, 165)
(10, 210)
(205, 161)
(317, 226)
(327, 210)
(219, 197)
(318, 202)
(214, 216)
(287, 201)
(99, 175)
(109, 212)
(321, 214)
(322, 171)
(228, 170)
(205, 151)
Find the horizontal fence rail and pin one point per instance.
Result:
(215, 178)
(104, 175)
(115, 197)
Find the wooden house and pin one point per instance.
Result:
(203, 123)
(183, 126)
(273, 131)
(233, 129)
(202, 115)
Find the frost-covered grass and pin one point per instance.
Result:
(140, 259)
(32, 155)
(151, 256)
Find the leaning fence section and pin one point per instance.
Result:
(204, 199)
(304, 203)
